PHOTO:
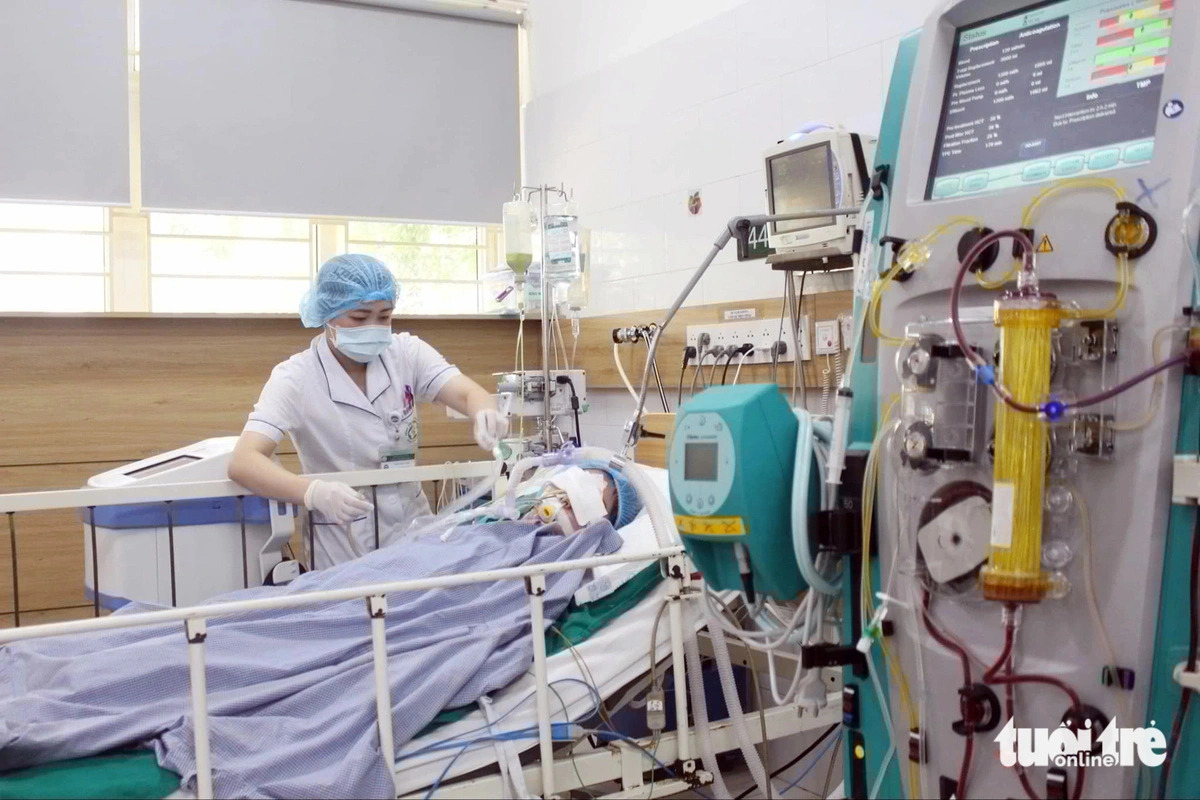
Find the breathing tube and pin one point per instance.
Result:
(733, 704)
(801, 471)
(699, 708)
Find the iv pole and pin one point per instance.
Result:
(543, 193)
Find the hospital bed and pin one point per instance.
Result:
(558, 688)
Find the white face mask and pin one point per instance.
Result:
(363, 344)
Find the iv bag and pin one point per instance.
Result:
(562, 243)
(518, 237)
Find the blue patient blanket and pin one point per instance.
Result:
(291, 693)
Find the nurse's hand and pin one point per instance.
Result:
(490, 428)
(336, 501)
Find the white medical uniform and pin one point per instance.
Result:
(336, 428)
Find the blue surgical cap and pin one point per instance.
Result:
(628, 502)
(346, 282)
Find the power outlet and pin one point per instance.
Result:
(827, 338)
(763, 334)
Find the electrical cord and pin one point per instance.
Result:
(764, 745)
(803, 753)
(689, 353)
(1185, 696)
(730, 353)
(566, 380)
(699, 370)
(738, 372)
(717, 351)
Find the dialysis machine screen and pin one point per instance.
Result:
(800, 180)
(1058, 89)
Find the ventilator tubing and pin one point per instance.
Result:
(700, 709)
(734, 704)
(1014, 570)
(800, 485)
(655, 503)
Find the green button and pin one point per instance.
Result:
(1068, 166)
(976, 182)
(1139, 153)
(1104, 159)
(1036, 172)
(946, 187)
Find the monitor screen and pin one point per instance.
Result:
(700, 462)
(1058, 89)
(800, 180)
(161, 466)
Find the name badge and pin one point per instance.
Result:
(395, 456)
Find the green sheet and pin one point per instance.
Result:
(127, 775)
(136, 775)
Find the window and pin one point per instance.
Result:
(439, 266)
(92, 259)
(225, 264)
(53, 258)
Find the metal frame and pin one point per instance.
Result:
(618, 761)
(195, 619)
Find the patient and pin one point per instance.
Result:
(575, 496)
(291, 691)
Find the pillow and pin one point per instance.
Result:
(637, 536)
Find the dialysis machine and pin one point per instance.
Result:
(1025, 484)
(187, 551)
(1018, 444)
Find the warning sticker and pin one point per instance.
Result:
(1045, 245)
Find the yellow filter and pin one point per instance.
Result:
(1013, 573)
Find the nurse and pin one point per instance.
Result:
(348, 402)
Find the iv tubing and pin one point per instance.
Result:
(978, 361)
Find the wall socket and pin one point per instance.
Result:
(826, 337)
(760, 333)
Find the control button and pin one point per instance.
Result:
(688, 500)
(703, 419)
(1104, 159)
(1036, 172)
(1139, 153)
(719, 426)
(946, 187)
(975, 183)
(1033, 149)
(712, 500)
(1068, 165)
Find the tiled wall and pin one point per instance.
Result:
(638, 102)
(604, 424)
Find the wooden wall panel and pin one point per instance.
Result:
(49, 543)
(595, 346)
(81, 395)
(88, 389)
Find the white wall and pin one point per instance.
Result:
(638, 102)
